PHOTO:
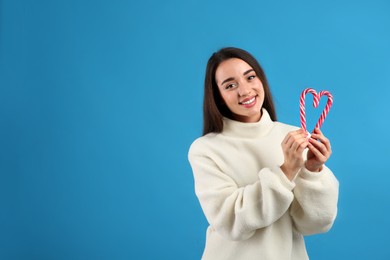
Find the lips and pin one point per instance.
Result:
(248, 101)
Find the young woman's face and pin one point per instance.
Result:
(241, 89)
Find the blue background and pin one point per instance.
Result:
(100, 100)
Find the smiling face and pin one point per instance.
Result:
(241, 89)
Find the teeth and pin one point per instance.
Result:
(249, 101)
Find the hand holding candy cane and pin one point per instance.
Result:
(296, 141)
(319, 146)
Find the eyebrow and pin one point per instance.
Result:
(231, 78)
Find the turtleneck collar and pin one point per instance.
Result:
(248, 130)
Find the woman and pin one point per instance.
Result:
(262, 184)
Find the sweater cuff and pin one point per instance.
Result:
(283, 178)
(309, 175)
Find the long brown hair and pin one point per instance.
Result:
(214, 108)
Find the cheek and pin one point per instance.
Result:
(228, 98)
(260, 86)
(260, 90)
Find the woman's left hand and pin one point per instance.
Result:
(319, 151)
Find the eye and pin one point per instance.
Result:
(229, 86)
(251, 77)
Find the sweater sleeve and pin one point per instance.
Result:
(314, 208)
(236, 212)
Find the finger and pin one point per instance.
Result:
(320, 147)
(290, 137)
(317, 131)
(320, 157)
(300, 143)
(303, 145)
(286, 140)
(319, 135)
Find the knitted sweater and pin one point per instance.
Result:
(254, 211)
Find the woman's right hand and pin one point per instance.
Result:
(293, 145)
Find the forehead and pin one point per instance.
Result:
(233, 67)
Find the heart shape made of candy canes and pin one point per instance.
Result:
(316, 101)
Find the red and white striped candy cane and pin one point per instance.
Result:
(326, 109)
(316, 101)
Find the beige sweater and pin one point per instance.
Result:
(253, 210)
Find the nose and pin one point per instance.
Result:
(243, 90)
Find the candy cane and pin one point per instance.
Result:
(316, 101)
